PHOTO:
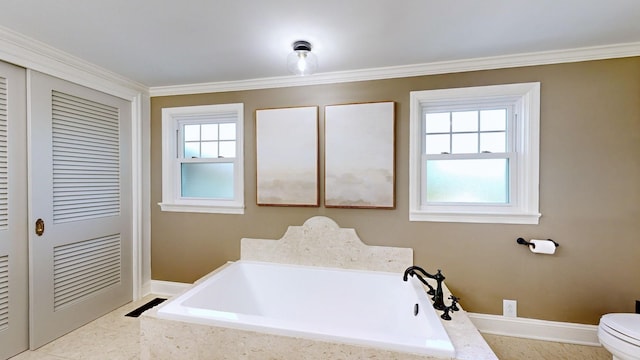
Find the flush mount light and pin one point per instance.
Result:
(301, 61)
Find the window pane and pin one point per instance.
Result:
(464, 143)
(228, 149)
(191, 132)
(209, 132)
(209, 149)
(192, 149)
(495, 142)
(437, 123)
(492, 120)
(437, 144)
(227, 131)
(207, 180)
(464, 121)
(468, 181)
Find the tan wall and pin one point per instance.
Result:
(589, 196)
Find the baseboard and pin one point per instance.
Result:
(167, 288)
(145, 289)
(536, 329)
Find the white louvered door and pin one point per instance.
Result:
(81, 265)
(14, 334)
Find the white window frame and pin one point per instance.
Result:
(523, 206)
(171, 173)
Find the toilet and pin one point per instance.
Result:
(620, 334)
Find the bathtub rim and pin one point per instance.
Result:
(439, 348)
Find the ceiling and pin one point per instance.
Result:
(169, 42)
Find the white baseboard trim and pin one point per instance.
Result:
(536, 329)
(145, 289)
(167, 288)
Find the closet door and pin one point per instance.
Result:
(80, 239)
(14, 316)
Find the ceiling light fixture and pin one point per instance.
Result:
(301, 61)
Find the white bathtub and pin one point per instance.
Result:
(366, 308)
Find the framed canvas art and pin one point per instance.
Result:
(287, 156)
(360, 155)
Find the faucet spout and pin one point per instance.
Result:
(438, 296)
(411, 271)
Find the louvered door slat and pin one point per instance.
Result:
(67, 124)
(82, 268)
(97, 158)
(70, 101)
(73, 162)
(87, 146)
(71, 273)
(4, 292)
(86, 158)
(4, 205)
(4, 186)
(99, 141)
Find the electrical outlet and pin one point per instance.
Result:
(509, 308)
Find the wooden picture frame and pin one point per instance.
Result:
(287, 157)
(360, 155)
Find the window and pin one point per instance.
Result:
(474, 154)
(202, 159)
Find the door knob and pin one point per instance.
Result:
(39, 227)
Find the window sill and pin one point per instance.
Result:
(476, 218)
(199, 208)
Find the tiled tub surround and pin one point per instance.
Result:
(321, 243)
(300, 301)
(115, 337)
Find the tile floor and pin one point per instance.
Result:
(115, 337)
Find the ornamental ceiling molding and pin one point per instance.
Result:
(434, 68)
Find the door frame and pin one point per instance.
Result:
(20, 50)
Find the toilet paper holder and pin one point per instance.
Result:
(522, 241)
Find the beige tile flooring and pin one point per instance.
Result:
(115, 336)
(511, 348)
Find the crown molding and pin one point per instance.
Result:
(434, 68)
(32, 54)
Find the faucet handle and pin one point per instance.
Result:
(454, 303)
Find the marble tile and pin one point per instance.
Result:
(168, 339)
(112, 336)
(102, 340)
(96, 343)
(466, 339)
(321, 242)
(116, 320)
(162, 340)
(36, 355)
(512, 348)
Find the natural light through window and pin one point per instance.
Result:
(474, 154)
(468, 181)
(479, 170)
(207, 164)
(202, 159)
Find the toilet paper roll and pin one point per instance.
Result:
(542, 246)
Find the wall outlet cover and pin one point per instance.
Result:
(509, 308)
